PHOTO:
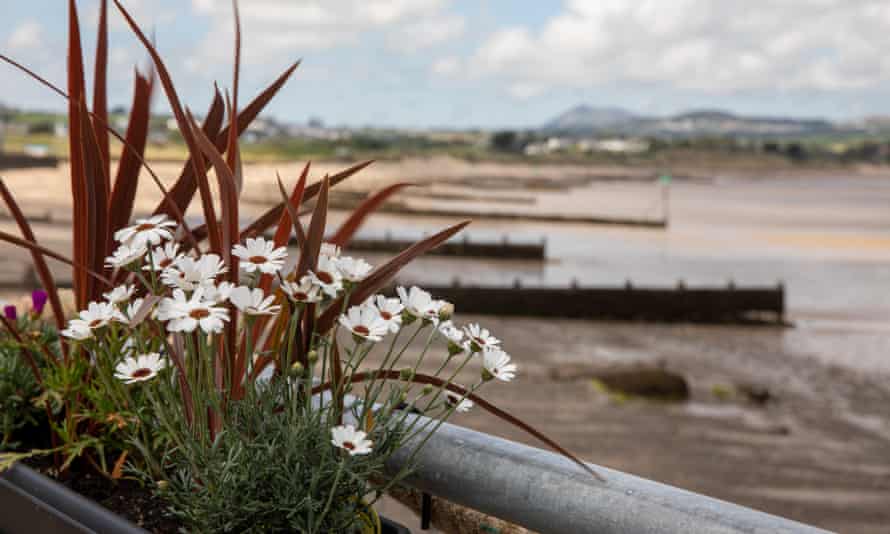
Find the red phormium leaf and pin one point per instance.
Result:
(80, 202)
(100, 90)
(315, 234)
(126, 182)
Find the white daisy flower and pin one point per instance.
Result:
(260, 254)
(186, 314)
(460, 404)
(141, 368)
(351, 440)
(454, 336)
(496, 364)
(253, 301)
(152, 230)
(390, 311)
(365, 322)
(433, 312)
(125, 255)
(480, 338)
(119, 294)
(418, 303)
(305, 292)
(189, 274)
(99, 314)
(163, 257)
(353, 269)
(330, 250)
(77, 330)
(326, 276)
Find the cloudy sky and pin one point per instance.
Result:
(490, 63)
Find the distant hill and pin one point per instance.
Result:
(582, 118)
(586, 120)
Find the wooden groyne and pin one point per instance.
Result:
(598, 220)
(465, 248)
(714, 305)
(349, 200)
(24, 161)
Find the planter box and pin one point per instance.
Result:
(32, 503)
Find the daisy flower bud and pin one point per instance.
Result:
(427, 389)
(312, 357)
(446, 311)
(297, 369)
(406, 374)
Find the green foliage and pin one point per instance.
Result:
(18, 388)
(504, 141)
(276, 470)
(20, 407)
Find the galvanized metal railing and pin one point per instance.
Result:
(547, 493)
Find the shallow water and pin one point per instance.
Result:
(826, 239)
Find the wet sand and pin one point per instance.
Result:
(819, 452)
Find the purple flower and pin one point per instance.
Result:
(38, 301)
(10, 312)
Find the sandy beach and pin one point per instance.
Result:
(817, 451)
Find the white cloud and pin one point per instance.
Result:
(277, 28)
(426, 32)
(712, 46)
(27, 36)
(447, 67)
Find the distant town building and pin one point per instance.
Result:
(614, 146)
